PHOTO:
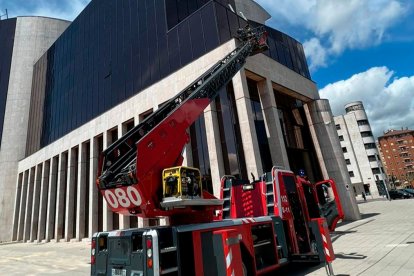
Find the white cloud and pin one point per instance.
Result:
(388, 100)
(338, 25)
(317, 54)
(67, 10)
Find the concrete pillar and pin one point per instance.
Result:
(29, 204)
(16, 211)
(247, 127)
(51, 198)
(187, 155)
(107, 212)
(41, 232)
(81, 192)
(329, 153)
(215, 152)
(93, 190)
(36, 203)
(124, 221)
(273, 128)
(22, 209)
(143, 222)
(70, 193)
(60, 198)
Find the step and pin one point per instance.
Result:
(168, 249)
(169, 270)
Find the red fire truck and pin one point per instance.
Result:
(253, 228)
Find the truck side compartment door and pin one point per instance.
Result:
(329, 202)
(226, 245)
(101, 253)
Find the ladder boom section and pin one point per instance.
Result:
(119, 165)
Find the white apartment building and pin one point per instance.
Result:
(360, 151)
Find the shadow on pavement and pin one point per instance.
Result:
(363, 216)
(352, 255)
(337, 234)
(300, 269)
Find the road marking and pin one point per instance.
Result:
(397, 245)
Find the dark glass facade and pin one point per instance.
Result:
(7, 30)
(230, 135)
(199, 151)
(260, 127)
(115, 49)
(287, 51)
(296, 135)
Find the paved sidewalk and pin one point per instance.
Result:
(65, 259)
(381, 244)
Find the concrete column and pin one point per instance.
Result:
(29, 204)
(51, 198)
(273, 128)
(41, 232)
(247, 127)
(70, 194)
(17, 206)
(93, 190)
(215, 151)
(60, 198)
(22, 209)
(81, 192)
(329, 153)
(143, 222)
(187, 155)
(107, 212)
(124, 221)
(36, 203)
(136, 120)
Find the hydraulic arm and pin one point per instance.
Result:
(129, 173)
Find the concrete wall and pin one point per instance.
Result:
(33, 36)
(252, 11)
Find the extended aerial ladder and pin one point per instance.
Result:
(262, 226)
(129, 173)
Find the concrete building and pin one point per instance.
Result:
(116, 63)
(397, 147)
(23, 41)
(360, 151)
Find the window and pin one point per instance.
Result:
(351, 174)
(366, 134)
(341, 137)
(372, 158)
(370, 146)
(344, 149)
(338, 126)
(362, 122)
(144, 115)
(354, 108)
(376, 171)
(348, 162)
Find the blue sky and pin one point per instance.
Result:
(356, 49)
